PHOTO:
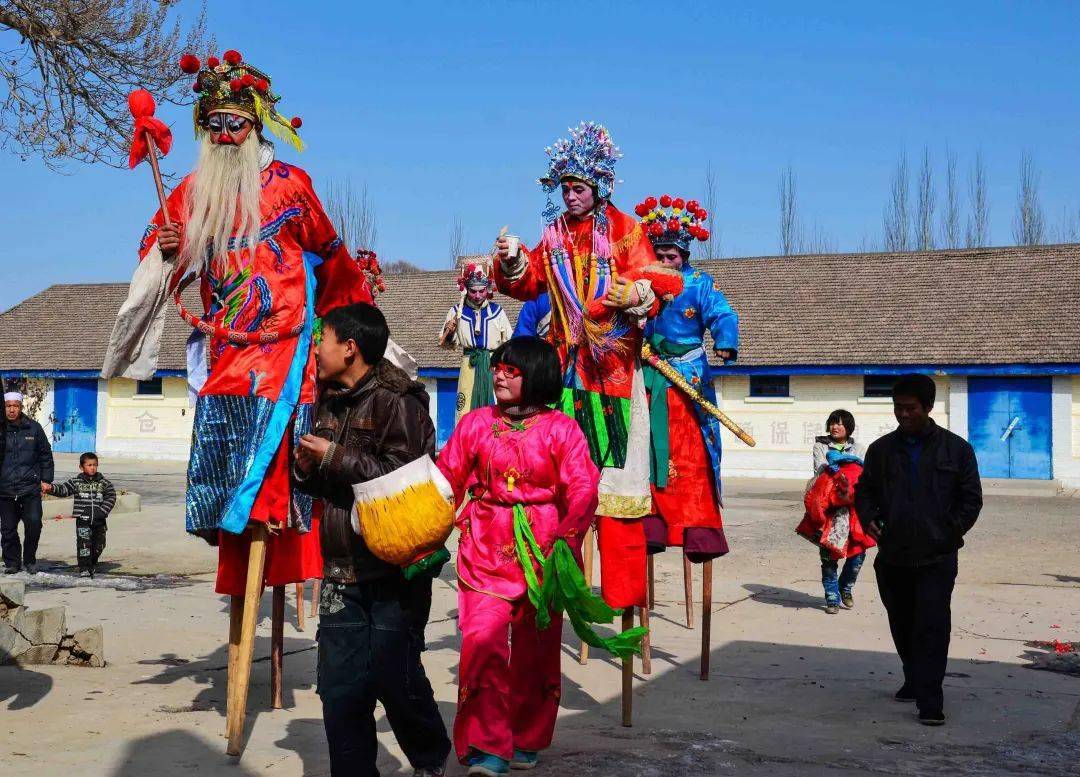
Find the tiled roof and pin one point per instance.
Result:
(972, 306)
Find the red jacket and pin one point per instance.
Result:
(830, 520)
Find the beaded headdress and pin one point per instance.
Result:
(475, 277)
(672, 221)
(234, 86)
(588, 155)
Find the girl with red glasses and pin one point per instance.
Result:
(520, 461)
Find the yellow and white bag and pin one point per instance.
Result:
(406, 516)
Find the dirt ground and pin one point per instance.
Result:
(792, 691)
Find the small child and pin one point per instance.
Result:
(95, 498)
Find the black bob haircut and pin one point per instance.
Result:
(88, 456)
(539, 365)
(921, 387)
(841, 417)
(365, 325)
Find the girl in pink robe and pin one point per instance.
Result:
(518, 452)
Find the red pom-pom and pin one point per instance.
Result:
(196, 87)
(189, 63)
(674, 225)
(262, 85)
(247, 79)
(641, 209)
(141, 103)
(656, 228)
(232, 56)
(701, 214)
(296, 122)
(651, 202)
(692, 205)
(665, 201)
(236, 84)
(678, 202)
(703, 234)
(212, 62)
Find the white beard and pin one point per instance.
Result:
(222, 201)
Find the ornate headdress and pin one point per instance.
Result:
(672, 221)
(234, 86)
(589, 155)
(474, 277)
(368, 262)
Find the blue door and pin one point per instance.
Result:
(75, 416)
(446, 404)
(1009, 425)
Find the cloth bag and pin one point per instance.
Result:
(406, 516)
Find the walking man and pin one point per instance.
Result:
(919, 494)
(26, 464)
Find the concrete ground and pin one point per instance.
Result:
(793, 690)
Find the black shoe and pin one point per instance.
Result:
(905, 695)
(932, 718)
(11, 570)
(31, 569)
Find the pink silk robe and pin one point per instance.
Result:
(552, 476)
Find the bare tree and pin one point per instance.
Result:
(399, 267)
(710, 249)
(353, 213)
(950, 217)
(978, 225)
(457, 241)
(1029, 227)
(924, 206)
(1069, 229)
(815, 241)
(68, 74)
(789, 212)
(896, 222)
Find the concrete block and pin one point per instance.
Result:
(12, 643)
(89, 642)
(37, 654)
(13, 592)
(45, 627)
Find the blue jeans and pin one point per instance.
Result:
(845, 581)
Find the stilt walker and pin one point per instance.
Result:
(253, 234)
(684, 469)
(599, 271)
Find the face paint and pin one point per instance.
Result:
(228, 128)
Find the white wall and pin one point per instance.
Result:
(1065, 412)
(146, 427)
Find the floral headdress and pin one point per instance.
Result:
(475, 277)
(672, 221)
(368, 262)
(588, 155)
(234, 86)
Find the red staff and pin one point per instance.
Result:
(150, 136)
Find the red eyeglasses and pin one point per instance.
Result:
(509, 370)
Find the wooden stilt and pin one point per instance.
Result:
(628, 674)
(277, 644)
(238, 689)
(706, 618)
(688, 586)
(587, 559)
(300, 606)
(652, 583)
(646, 643)
(316, 596)
(236, 616)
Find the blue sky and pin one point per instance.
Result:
(443, 110)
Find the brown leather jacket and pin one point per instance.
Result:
(377, 426)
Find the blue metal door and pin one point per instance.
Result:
(75, 416)
(446, 404)
(1010, 425)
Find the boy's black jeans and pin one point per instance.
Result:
(89, 542)
(370, 638)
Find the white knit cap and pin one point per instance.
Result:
(13, 396)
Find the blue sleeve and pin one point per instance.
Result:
(527, 320)
(721, 320)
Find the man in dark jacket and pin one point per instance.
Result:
(919, 494)
(370, 419)
(26, 466)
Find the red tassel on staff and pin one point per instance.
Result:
(150, 136)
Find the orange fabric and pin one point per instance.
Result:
(689, 498)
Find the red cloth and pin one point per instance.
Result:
(623, 561)
(829, 492)
(509, 678)
(291, 557)
(689, 498)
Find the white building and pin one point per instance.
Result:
(997, 328)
